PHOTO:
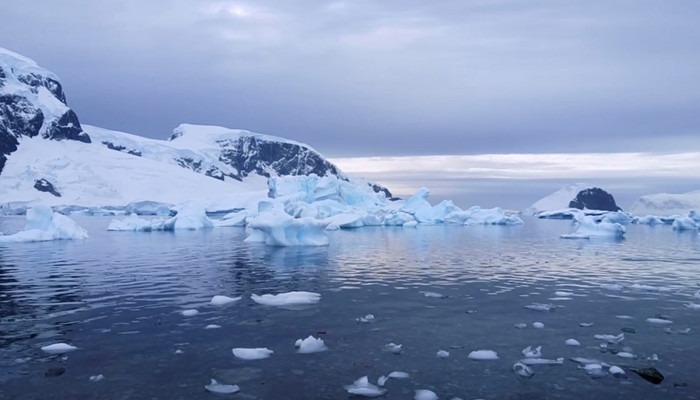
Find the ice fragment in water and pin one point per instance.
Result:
(529, 352)
(310, 345)
(541, 307)
(394, 374)
(252, 353)
(287, 299)
(572, 342)
(542, 361)
(538, 325)
(585, 324)
(659, 321)
(483, 355)
(616, 371)
(212, 326)
(523, 370)
(424, 394)
(433, 294)
(693, 306)
(594, 370)
(96, 378)
(443, 354)
(611, 338)
(216, 387)
(220, 300)
(393, 348)
(58, 348)
(362, 387)
(189, 313)
(520, 325)
(366, 319)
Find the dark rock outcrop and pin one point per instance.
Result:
(123, 149)
(594, 199)
(43, 185)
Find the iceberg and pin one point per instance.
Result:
(685, 224)
(252, 353)
(588, 228)
(310, 345)
(58, 348)
(274, 227)
(220, 300)
(362, 387)
(43, 225)
(666, 204)
(134, 223)
(483, 355)
(192, 217)
(287, 299)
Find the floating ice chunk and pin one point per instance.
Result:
(434, 294)
(529, 352)
(572, 342)
(179, 351)
(220, 300)
(561, 293)
(611, 338)
(586, 361)
(443, 354)
(366, 319)
(594, 370)
(624, 317)
(393, 348)
(541, 307)
(252, 353)
(192, 217)
(425, 394)
(189, 313)
(43, 225)
(410, 224)
(287, 299)
(585, 324)
(232, 219)
(625, 354)
(274, 227)
(216, 387)
(684, 224)
(96, 378)
(648, 220)
(678, 331)
(520, 325)
(212, 326)
(616, 371)
(483, 355)
(58, 348)
(523, 370)
(538, 325)
(542, 361)
(398, 375)
(588, 228)
(310, 345)
(659, 321)
(362, 387)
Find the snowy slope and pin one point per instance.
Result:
(666, 204)
(557, 200)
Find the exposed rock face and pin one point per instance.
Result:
(43, 185)
(594, 199)
(32, 103)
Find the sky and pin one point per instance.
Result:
(386, 78)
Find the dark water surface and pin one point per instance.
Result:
(118, 297)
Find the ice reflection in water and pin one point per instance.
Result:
(119, 295)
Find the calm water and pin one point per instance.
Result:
(118, 297)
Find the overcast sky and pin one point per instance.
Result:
(370, 78)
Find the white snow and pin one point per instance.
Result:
(362, 387)
(588, 228)
(287, 299)
(311, 345)
(665, 204)
(252, 353)
(216, 387)
(483, 355)
(557, 200)
(58, 348)
(220, 300)
(43, 225)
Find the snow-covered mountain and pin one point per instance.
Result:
(666, 204)
(557, 200)
(47, 157)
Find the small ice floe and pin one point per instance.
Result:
(520, 325)
(96, 378)
(693, 306)
(216, 387)
(572, 342)
(179, 351)
(425, 394)
(393, 348)
(659, 321)
(616, 371)
(443, 354)
(611, 338)
(541, 307)
(587, 361)
(588, 228)
(394, 374)
(483, 355)
(310, 345)
(561, 293)
(612, 286)
(212, 326)
(189, 313)
(542, 361)
(529, 352)
(595, 370)
(362, 387)
(434, 295)
(58, 348)
(220, 300)
(538, 325)
(585, 324)
(523, 370)
(625, 354)
(624, 317)
(366, 319)
(677, 331)
(287, 299)
(252, 353)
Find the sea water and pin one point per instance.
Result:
(119, 298)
